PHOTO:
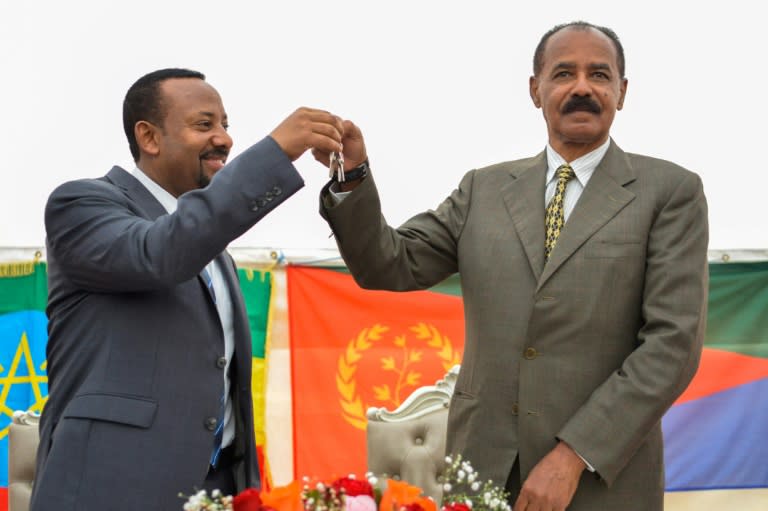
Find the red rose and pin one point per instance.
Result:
(456, 506)
(413, 506)
(353, 487)
(247, 500)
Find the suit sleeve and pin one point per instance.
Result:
(609, 428)
(417, 255)
(101, 241)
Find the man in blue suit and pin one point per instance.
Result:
(149, 352)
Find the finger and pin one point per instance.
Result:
(327, 130)
(322, 156)
(323, 116)
(324, 143)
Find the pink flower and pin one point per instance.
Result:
(359, 503)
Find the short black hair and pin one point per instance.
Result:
(538, 55)
(143, 101)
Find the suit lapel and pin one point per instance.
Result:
(137, 192)
(602, 198)
(151, 209)
(524, 198)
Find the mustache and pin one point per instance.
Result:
(218, 151)
(581, 104)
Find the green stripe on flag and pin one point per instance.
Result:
(24, 287)
(257, 287)
(738, 301)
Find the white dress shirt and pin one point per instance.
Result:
(223, 302)
(583, 167)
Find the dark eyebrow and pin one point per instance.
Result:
(600, 66)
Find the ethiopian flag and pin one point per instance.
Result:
(352, 348)
(23, 337)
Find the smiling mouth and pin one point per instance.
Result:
(214, 159)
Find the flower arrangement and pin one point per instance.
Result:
(462, 491)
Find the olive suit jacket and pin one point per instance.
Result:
(135, 341)
(591, 347)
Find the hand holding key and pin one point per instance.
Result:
(308, 128)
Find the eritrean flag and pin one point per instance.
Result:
(716, 434)
(23, 337)
(352, 348)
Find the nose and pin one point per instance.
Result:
(222, 138)
(582, 86)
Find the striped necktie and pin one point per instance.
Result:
(554, 220)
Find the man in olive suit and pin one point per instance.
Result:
(584, 277)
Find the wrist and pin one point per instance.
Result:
(356, 173)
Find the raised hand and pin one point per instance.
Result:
(308, 128)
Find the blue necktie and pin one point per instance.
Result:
(219, 433)
(209, 283)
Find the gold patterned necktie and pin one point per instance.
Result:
(555, 218)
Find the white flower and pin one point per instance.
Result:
(216, 493)
(373, 481)
(475, 486)
(471, 477)
(495, 502)
(447, 487)
(487, 498)
(448, 460)
(461, 475)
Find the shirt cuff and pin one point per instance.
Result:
(335, 194)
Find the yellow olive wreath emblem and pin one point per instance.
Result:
(352, 406)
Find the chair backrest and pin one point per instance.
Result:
(409, 442)
(23, 437)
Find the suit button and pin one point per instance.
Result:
(210, 423)
(277, 190)
(515, 408)
(221, 362)
(530, 353)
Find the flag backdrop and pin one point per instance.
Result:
(23, 336)
(352, 348)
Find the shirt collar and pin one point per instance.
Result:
(583, 166)
(165, 199)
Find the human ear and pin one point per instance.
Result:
(146, 138)
(533, 89)
(622, 93)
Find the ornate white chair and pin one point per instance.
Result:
(23, 438)
(409, 442)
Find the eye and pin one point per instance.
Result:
(225, 126)
(204, 125)
(600, 75)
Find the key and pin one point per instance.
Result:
(336, 166)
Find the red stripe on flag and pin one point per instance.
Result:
(3, 499)
(720, 370)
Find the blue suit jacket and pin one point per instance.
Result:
(134, 337)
